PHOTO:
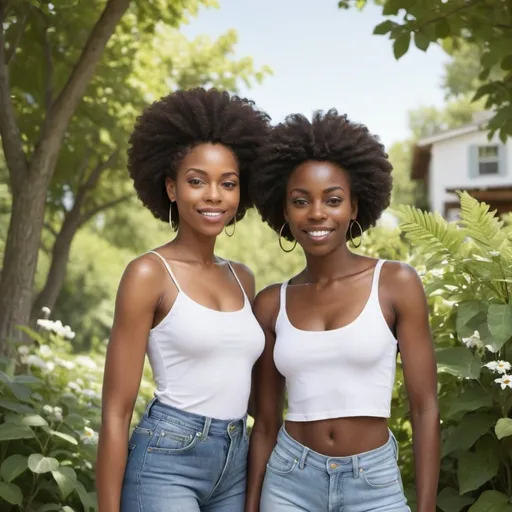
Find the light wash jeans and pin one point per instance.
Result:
(299, 479)
(183, 462)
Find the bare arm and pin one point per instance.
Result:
(137, 299)
(269, 387)
(420, 375)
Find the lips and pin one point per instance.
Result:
(211, 215)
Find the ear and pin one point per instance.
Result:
(355, 209)
(285, 215)
(170, 187)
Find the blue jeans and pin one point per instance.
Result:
(183, 462)
(299, 479)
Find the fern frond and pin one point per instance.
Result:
(431, 234)
(482, 225)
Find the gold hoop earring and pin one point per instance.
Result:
(234, 228)
(352, 236)
(281, 244)
(170, 215)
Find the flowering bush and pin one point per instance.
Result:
(49, 419)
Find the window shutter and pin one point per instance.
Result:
(473, 160)
(502, 160)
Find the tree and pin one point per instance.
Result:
(92, 178)
(36, 110)
(485, 24)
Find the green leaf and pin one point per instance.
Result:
(27, 379)
(475, 469)
(467, 310)
(467, 432)
(506, 63)
(13, 466)
(11, 493)
(401, 45)
(384, 27)
(9, 431)
(499, 320)
(491, 501)
(503, 428)
(87, 501)
(39, 464)
(421, 41)
(449, 500)
(74, 420)
(458, 361)
(5, 379)
(470, 400)
(66, 480)
(61, 435)
(391, 7)
(49, 507)
(11, 405)
(442, 28)
(34, 420)
(67, 508)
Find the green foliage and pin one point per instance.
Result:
(454, 24)
(49, 418)
(466, 269)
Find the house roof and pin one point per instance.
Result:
(422, 148)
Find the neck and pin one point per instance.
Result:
(321, 269)
(195, 246)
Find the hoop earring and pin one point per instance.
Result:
(170, 215)
(281, 244)
(234, 228)
(352, 236)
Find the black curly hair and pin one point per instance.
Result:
(169, 128)
(328, 137)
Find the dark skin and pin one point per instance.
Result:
(207, 180)
(328, 294)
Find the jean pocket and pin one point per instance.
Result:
(281, 462)
(383, 474)
(173, 439)
(131, 448)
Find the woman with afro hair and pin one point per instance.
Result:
(333, 332)
(189, 310)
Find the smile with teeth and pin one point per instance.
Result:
(319, 233)
(212, 214)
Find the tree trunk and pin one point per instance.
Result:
(29, 188)
(20, 259)
(60, 256)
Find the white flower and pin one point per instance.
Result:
(87, 362)
(437, 272)
(80, 382)
(56, 327)
(50, 366)
(473, 341)
(47, 409)
(69, 365)
(57, 413)
(46, 310)
(45, 351)
(23, 350)
(499, 366)
(89, 393)
(74, 386)
(505, 381)
(494, 253)
(89, 436)
(33, 360)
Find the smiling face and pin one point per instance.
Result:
(319, 207)
(206, 188)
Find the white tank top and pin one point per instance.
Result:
(338, 373)
(202, 358)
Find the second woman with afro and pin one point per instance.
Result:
(333, 333)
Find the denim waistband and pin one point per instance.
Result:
(353, 463)
(204, 424)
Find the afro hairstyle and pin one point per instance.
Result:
(170, 127)
(328, 137)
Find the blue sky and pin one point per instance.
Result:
(323, 57)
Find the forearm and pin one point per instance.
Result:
(110, 465)
(260, 448)
(426, 445)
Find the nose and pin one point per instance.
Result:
(317, 211)
(212, 194)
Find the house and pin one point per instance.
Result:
(464, 159)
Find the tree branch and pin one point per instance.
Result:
(101, 167)
(456, 10)
(48, 92)
(63, 108)
(9, 131)
(51, 230)
(89, 214)
(22, 23)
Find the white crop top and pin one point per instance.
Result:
(202, 358)
(338, 373)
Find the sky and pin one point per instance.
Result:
(324, 57)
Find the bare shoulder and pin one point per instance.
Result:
(266, 304)
(246, 276)
(401, 280)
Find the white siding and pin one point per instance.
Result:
(449, 168)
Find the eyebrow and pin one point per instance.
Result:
(204, 173)
(326, 191)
